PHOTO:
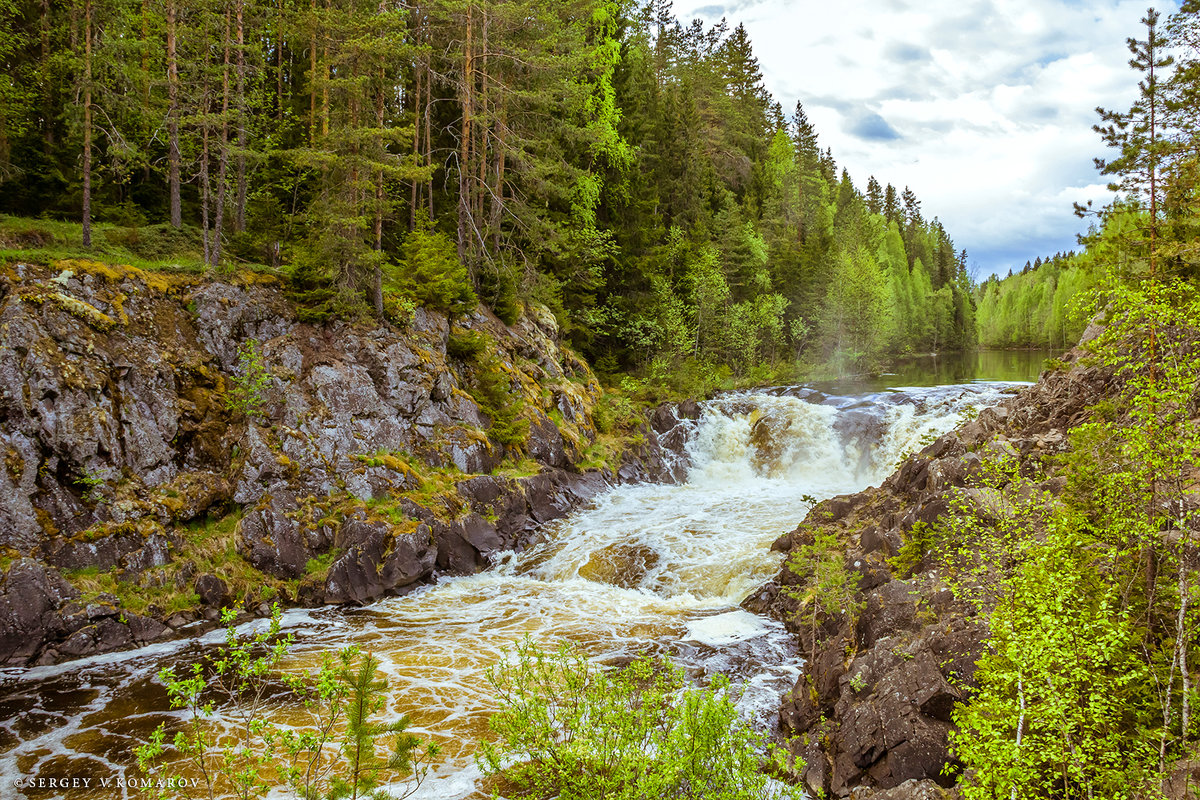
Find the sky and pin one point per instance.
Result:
(983, 107)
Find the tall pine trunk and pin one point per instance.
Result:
(380, 150)
(47, 85)
(173, 118)
(223, 148)
(239, 215)
(464, 153)
(87, 123)
(429, 129)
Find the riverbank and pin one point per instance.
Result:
(895, 660)
(175, 444)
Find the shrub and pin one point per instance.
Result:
(572, 730)
(252, 378)
(431, 271)
(336, 755)
(466, 345)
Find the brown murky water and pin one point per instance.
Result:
(645, 568)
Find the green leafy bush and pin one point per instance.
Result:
(466, 345)
(826, 586)
(250, 382)
(571, 730)
(342, 751)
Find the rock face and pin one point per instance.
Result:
(363, 464)
(872, 710)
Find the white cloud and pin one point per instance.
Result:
(991, 102)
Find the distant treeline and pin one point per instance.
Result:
(1034, 307)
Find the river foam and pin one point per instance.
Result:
(649, 568)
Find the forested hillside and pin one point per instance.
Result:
(1034, 307)
(629, 171)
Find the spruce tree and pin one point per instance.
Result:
(874, 196)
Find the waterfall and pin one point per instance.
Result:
(646, 568)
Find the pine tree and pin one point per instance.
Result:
(1138, 134)
(891, 204)
(807, 150)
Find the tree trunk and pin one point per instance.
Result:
(498, 189)
(147, 132)
(464, 142)
(380, 152)
(205, 188)
(239, 214)
(325, 77)
(481, 148)
(47, 86)
(87, 123)
(415, 198)
(279, 61)
(223, 145)
(429, 129)
(173, 120)
(1184, 640)
(312, 75)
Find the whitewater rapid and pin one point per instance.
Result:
(647, 568)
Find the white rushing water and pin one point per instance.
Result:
(646, 568)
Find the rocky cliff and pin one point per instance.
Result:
(871, 712)
(174, 444)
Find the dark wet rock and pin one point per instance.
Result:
(105, 552)
(212, 590)
(30, 596)
(144, 629)
(463, 546)
(154, 552)
(836, 508)
(876, 725)
(274, 539)
(546, 444)
(378, 559)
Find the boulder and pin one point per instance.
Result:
(272, 538)
(212, 590)
(377, 559)
(30, 596)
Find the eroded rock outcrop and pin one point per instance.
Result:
(872, 711)
(362, 467)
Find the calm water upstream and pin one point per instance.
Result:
(644, 568)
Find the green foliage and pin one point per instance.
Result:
(1087, 686)
(1037, 307)
(826, 588)
(493, 390)
(571, 730)
(336, 755)
(89, 482)
(318, 566)
(1061, 682)
(630, 173)
(465, 345)
(429, 270)
(913, 550)
(252, 380)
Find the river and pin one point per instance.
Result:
(646, 568)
